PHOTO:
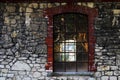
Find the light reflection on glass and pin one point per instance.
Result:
(69, 49)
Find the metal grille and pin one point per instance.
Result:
(70, 42)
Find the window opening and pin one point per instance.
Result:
(70, 42)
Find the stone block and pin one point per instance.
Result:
(98, 53)
(33, 5)
(103, 68)
(117, 73)
(10, 75)
(98, 74)
(109, 73)
(20, 65)
(1, 66)
(6, 20)
(36, 74)
(18, 78)
(91, 78)
(4, 70)
(97, 50)
(7, 66)
(104, 78)
(13, 21)
(10, 8)
(113, 78)
(22, 73)
(2, 78)
(29, 10)
(4, 74)
(114, 67)
(118, 77)
(27, 78)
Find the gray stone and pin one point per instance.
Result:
(116, 73)
(97, 50)
(91, 78)
(9, 52)
(1, 60)
(27, 78)
(36, 74)
(7, 66)
(98, 74)
(20, 65)
(44, 73)
(114, 67)
(10, 8)
(8, 45)
(18, 78)
(22, 73)
(113, 78)
(41, 49)
(99, 53)
(22, 58)
(10, 75)
(4, 70)
(4, 74)
(26, 51)
(5, 62)
(1, 66)
(2, 78)
(104, 78)
(36, 65)
(13, 21)
(2, 52)
(29, 10)
(109, 73)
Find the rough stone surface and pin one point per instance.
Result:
(2, 78)
(23, 32)
(37, 74)
(20, 65)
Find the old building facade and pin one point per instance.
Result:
(24, 29)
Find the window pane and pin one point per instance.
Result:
(59, 57)
(71, 67)
(59, 67)
(82, 67)
(82, 37)
(82, 57)
(70, 57)
(82, 47)
(56, 47)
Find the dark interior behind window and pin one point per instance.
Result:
(70, 31)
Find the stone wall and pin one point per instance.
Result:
(107, 31)
(23, 52)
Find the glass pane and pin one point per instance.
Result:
(70, 57)
(82, 23)
(71, 67)
(70, 36)
(68, 46)
(82, 37)
(82, 47)
(56, 47)
(59, 67)
(82, 67)
(82, 57)
(59, 57)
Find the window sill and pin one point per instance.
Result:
(70, 74)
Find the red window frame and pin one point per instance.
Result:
(50, 12)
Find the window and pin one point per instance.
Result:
(70, 40)
(70, 32)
